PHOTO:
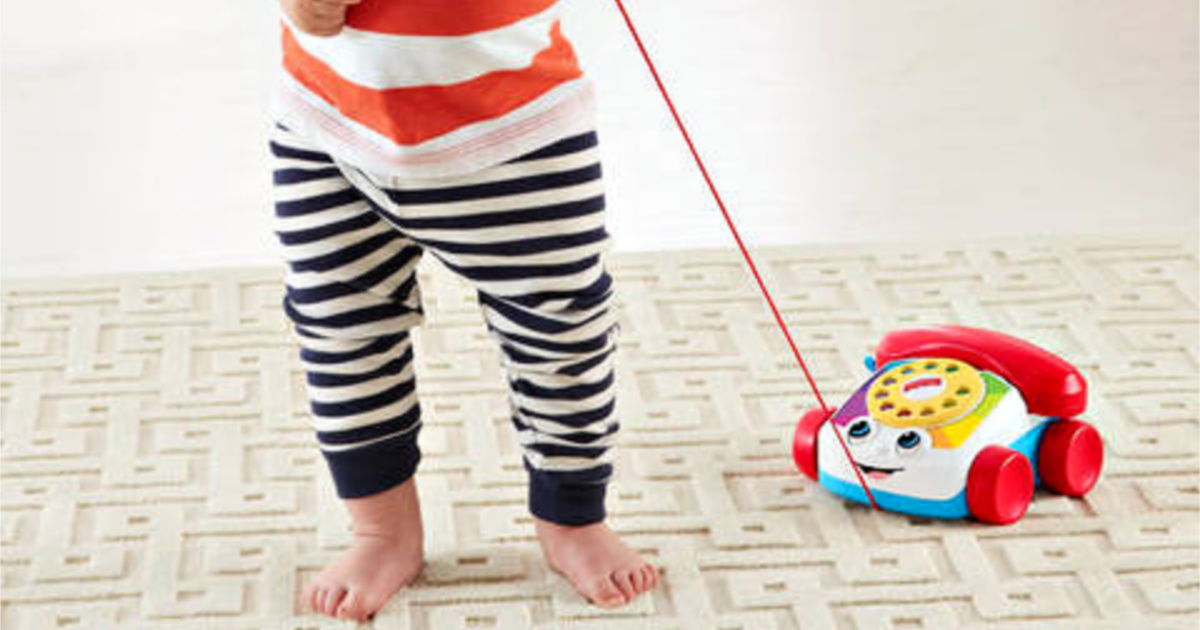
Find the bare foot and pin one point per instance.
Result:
(596, 562)
(387, 554)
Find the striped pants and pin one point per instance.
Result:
(528, 235)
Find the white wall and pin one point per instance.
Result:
(133, 135)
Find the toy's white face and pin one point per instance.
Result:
(882, 451)
(892, 459)
(902, 460)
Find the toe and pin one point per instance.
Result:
(350, 607)
(333, 597)
(652, 576)
(624, 582)
(640, 584)
(605, 594)
(368, 607)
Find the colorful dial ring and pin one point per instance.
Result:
(925, 393)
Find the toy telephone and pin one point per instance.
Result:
(956, 422)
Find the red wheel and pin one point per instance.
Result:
(999, 486)
(804, 444)
(1070, 457)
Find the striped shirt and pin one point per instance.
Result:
(434, 88)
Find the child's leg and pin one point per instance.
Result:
(352, 296)
(530, 236)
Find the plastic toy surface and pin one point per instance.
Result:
(956, 422)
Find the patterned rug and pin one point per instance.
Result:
(158, 471)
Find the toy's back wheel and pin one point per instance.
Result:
(1070, 457)
(804, 444)
(999, 485)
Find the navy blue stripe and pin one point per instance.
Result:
(377, 274)
(562, 450)
(332, 379)
(576, 419)
(317, 203)
(576, 369)
(584, 438)
(368, 315)
(521, 272)
(292, 153)
(518, 356)
(596, 475)
(301, 175)
(521, 247)
(537, 214)
(345, 256)
(533, 321)
(381, 345)
(362, 405)
(573, 392)
(489, 190)
(349, 436)
(328, 230)
(580, 299)
(594, 344)
(566, 146)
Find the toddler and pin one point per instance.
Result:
(462, 129)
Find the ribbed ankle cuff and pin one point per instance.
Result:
(569, 498)
(373, 468)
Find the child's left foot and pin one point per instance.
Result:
(596, 562)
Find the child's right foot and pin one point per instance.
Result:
(386, 555)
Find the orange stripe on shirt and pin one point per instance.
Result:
(440, 17)
(412, 115)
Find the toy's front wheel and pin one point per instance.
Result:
(999, 485)
(1070, 457)
(804, 443)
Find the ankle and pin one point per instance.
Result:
(393, 513)
(552, 529)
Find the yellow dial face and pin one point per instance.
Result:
(925, 393)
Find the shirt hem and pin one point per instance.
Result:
(570, 114)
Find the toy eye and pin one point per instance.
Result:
(860, 430)
(908, 440)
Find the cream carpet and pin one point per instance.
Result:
(158, 471)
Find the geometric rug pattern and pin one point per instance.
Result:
(158, 470)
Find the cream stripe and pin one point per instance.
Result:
(374, 329)
(554, 257)
(303, 190)
(588, 331)
(309, 279)
(552, 227)
(361, 390)
(375, 416)
(360, 365)
(336, 448)
(304, 251)
(566, 464)
(564, 194)
(340, 305)
(527, 437)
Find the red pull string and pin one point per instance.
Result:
(745, 254)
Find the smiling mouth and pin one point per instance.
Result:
(877, 473)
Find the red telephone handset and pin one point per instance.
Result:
(1049, 385)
